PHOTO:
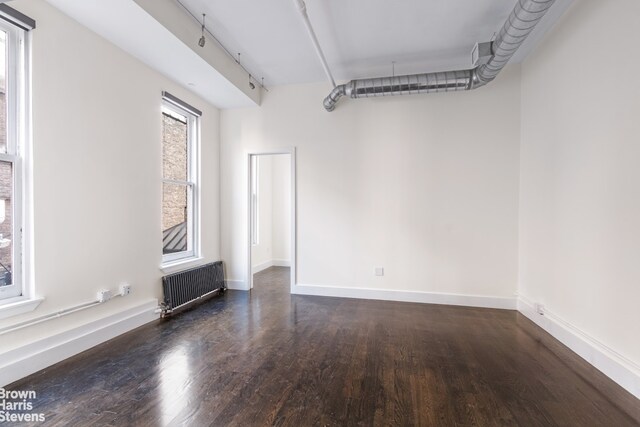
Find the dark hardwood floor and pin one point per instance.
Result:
(268, 358)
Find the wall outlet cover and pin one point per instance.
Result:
(125, 289)
(103, 295)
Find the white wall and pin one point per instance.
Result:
(424, 186)
(580, 184)
(262, 253)
(274, 213)
(97, 160)
(281, 222)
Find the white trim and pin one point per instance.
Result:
(193, 182)
(181, 264)
(26, 360)
(271, 263)
(26, 111)
(504, 303)
(617, 367)
(249, 268)
(19, 305)
(237, 285)
(17, 141)
(255, 201)
(293, 257)
(262, 266)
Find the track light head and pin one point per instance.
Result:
(202, 40)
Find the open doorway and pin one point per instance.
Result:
(271, 217)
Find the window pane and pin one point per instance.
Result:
(3, 92)
(174, 146)
(175, 215)
(6, 223)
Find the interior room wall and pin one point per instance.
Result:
(424, 186)
(579, 204)
(262, 253)
(281, 228)
(274, 214)
(97, 174)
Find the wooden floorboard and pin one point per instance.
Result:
(269, 358)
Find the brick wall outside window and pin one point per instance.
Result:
(174, 155)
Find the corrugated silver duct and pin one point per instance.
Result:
(522, 20)
(448, 81)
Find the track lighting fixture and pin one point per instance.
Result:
(202, 40)
(253, 83)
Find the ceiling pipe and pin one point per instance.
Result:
(302, 7)
(488, 59)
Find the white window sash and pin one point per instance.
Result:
(192, 185)
(16, 126)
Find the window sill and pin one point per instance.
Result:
(175, 266)
(19, 305)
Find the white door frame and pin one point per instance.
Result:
(292, 152)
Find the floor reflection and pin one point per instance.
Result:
(175, 379)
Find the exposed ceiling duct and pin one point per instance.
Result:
(488, 59)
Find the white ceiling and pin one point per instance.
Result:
(360, 38)
(150, 42)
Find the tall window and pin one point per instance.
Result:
(12, 149)
(180, 186)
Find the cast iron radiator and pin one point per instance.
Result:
(190, 285)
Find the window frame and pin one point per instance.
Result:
(17, 152)
(192, 183)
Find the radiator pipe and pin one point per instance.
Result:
(521, 22)
(37, 320)
(166, 311)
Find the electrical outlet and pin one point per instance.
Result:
(104, 295)
(379, 271)
(539, 308)
(125, 289)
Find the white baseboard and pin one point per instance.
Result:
(26, 360)
(271, 263)
(262, 266)
(237, 285)
(620, 369)
(505, 303)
